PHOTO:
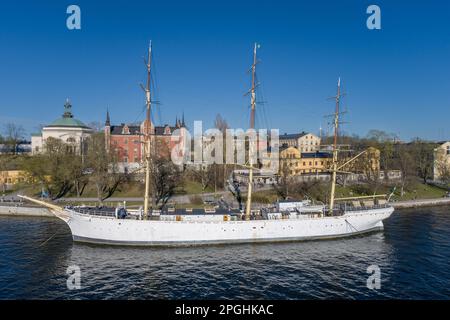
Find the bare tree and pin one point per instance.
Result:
(285, 181)
(423, 152)
(13, 136)
(54, 168)
(165, 178)
(221, 124)
(406, 166)
(204, 174)
(102, 166)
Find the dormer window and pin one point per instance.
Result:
(125, 130)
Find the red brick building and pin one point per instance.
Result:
(127, 139)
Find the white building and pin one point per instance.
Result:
(304, 142)
(67, 128)
(441, 161)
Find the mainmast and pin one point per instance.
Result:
(147, 129)
(335, 150)
(252, 126)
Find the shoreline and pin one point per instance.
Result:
(32, 211)
(24, 211)
(421, 203)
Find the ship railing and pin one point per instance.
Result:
(365, 207)
(94, 212)
(103, 213)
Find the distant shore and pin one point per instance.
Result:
(33, 211)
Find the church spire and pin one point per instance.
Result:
(182, 121)
(107, 122)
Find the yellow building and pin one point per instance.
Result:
(11, 177)
(294, 162)
(368, 163)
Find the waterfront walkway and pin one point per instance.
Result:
(421, 203)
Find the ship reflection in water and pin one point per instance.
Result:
(412, 254)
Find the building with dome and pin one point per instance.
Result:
(67, 128)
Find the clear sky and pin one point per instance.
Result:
(396, 79)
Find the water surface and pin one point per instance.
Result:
(413, 253)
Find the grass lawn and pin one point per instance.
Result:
(422, 191)
(192, 187)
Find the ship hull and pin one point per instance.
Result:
(124, 232)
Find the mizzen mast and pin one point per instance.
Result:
(252, 126)
(147, 129)
(334, 168)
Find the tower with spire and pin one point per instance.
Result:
(67, 109)
(107, 130)
(108, 121)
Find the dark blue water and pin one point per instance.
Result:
(413, 253)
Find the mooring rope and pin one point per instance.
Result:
(351, 225)
(48, 239)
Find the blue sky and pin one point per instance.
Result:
(396, 79)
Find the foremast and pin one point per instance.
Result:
(147, 130)
(252, 127)
(334, 167)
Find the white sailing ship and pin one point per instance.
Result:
(287, 221)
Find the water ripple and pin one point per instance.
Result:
(412, 253)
